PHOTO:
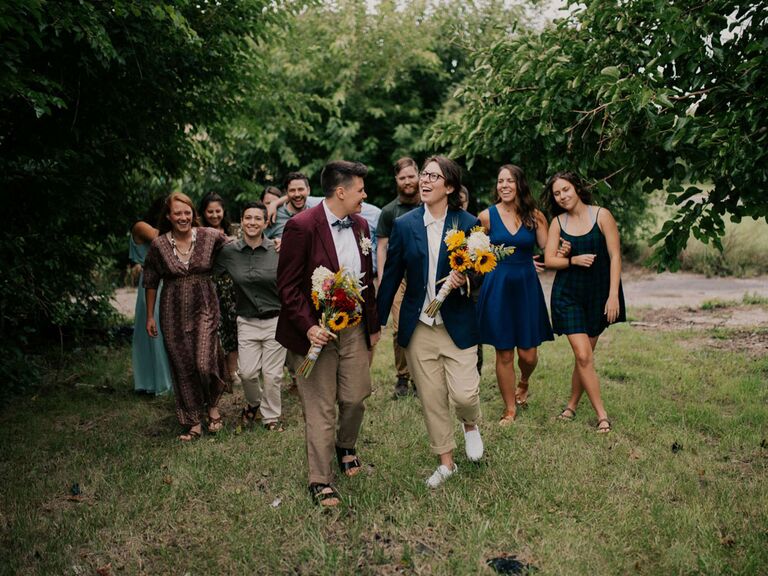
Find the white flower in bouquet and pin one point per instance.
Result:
(478, 241)
(319, 276)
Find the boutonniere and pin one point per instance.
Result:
(365, 244)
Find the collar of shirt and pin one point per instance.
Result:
(265, 243)
(429, 219)
(330, 215)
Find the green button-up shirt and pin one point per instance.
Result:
(254, 274)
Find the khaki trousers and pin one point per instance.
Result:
(260, 359)
(401, 364)
(341, 376)
(444, 374)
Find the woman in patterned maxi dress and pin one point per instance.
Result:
(586, 294)
(182, 256)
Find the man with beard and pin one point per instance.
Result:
(407, 182)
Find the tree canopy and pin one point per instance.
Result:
(638, 96)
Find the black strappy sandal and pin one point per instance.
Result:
(322, 493)
(250, 414)
(352, 467)
(567, 415)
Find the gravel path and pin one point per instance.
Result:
(642, 289)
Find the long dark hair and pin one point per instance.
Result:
(154, 212)
(581, 187)
(525, 203)
(209, 198)
(452, 174)
(165, 225)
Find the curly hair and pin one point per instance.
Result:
(578, 183)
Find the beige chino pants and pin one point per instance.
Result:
(260, 362)
(342, 377)
(444, 374)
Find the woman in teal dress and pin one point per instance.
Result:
(586, 294)
(512, 312)
(151, 372)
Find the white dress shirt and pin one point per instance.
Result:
(345, 243)
(434, 228)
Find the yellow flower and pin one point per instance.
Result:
(339, 321)
(485, 262)
(315, 300)
(454, 239)
(477, 229)
(356, 318)
(459, 260)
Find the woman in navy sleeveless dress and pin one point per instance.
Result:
(512, 312)
(586, 295)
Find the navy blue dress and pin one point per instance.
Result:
(512, 312)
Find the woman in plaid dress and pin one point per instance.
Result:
(586, 295)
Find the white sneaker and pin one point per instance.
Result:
(441, 475)
(473, 444)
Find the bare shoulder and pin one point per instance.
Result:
(538, 215)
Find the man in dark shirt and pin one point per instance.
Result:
(407, 182)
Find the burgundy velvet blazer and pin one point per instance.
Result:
(306, 244)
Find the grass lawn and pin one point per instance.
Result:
(679, 487)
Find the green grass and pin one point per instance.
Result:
(556, 494)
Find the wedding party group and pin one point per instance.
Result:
(306, 283)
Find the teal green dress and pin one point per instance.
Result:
(151, 372)
(579, 294)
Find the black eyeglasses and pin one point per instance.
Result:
(430, 176)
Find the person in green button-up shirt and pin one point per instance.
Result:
(252, 264)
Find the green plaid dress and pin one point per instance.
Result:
(579, 294)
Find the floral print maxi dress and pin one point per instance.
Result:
(189, 314)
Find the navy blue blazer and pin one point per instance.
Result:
(407, 256)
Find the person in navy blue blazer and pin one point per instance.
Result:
(441, 351)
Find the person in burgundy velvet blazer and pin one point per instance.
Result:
(334, 236)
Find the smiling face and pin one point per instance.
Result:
(352, 195)
(253, 223)
(214, 214)
(506, 186)
(297, 192)
(564, 194)
(432, 186)
(407, 181)
(180, 216)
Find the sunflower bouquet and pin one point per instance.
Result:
(338, 296)
(473, 253)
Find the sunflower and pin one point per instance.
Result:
(485, 262)
(459, 260)
(315, 300)
(356, 318)
(454, 239)
(339, 321)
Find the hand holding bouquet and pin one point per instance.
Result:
(468, 254)
(338, 295)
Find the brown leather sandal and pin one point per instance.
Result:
(507, 418)
(190, 435)
(521, 395)
(567, 415)
(603, 429)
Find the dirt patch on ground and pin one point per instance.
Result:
(736, 329)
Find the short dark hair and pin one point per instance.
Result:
(340, 173)
(452, 174)
(405, 162)
(256, 204)
(291, 176)
(274, 190)
(581, 187)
